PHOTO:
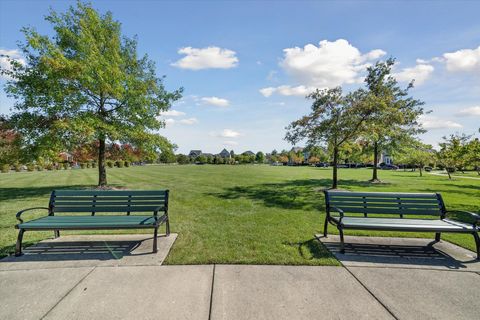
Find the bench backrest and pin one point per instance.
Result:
(383, 203)
(121, 201)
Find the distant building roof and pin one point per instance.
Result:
(195, 153)
(224, 153)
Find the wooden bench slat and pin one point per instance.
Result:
(380, 200)
(333, 194)
(90, 198)
(392, 211)
(107, 203)
(108, 192)
(387, 206)
(108, 209)
(61, 222)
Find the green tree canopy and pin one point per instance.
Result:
(416, 154)
(454, 153)
(334, 120)
(395, 114)
(86, 83)
(260, 157)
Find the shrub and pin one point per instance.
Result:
(83, 165)
(119, 163)
(17, 167)
(40, 167)
(127, 163)
(49, 166)
(5, 168)
(88, 164)
(66, 165)
(94, 164)
(110, 164)
(30, 167)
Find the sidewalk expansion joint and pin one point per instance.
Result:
(372, 294)
(67, 293)
(211, 294)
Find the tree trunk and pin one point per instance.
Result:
(449, 175)
(420, 169)
(335, 162)
(102, 173)
(375, 162)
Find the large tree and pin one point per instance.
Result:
(86, 83)
(334, 120)
(395, 113)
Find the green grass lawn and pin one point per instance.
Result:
(234, 214)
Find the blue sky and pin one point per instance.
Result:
(246, 66)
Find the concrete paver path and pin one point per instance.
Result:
(127, 290)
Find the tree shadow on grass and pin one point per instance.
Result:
(293, 194)
(32, 192)
(311, 249)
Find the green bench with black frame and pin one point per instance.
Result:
(68, 209)
(415, 212)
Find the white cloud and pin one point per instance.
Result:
(465, 60)
(226, 133)
(206, 58)
(169, 121)
(467, 112)
(287, 91)
(5, 54)
(328, 65)
(433, 122)
(172, 113)
(230, 143)
(420, 73)
(188, 121)
(215, 101)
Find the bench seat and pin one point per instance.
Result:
(399, 224)
(90, 222)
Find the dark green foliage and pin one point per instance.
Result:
(182, 159)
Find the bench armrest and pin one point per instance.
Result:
(475, 216)
(340, 211)
(19, 213)
(159, 208)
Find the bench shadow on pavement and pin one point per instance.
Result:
(402, 255)
(59, 250)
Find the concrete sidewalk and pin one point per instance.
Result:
(126, 290)
(238, 292)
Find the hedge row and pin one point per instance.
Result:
(59, 166)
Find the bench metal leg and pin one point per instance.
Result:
(325, 227)
(477, 242)
(167, 227)
(155, 235)
(437, 236)
(56, 233)
(342, 242)
(18, 246)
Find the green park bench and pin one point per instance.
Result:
(77, 210)
(389, 211)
